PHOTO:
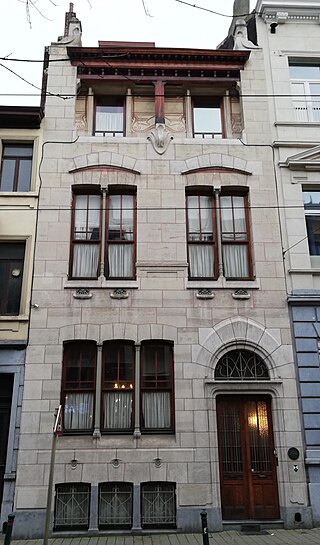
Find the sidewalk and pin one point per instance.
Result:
(272, 537)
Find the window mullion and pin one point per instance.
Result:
(218, 227)
(103, 232)
(97, 415)
(137, 432)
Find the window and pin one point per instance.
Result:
(99, 391)
(211, 215)
(79, 385)
(115, 505)
(311, 201)
(241, 365)
(207, 121)
(16, 167)
(117, 386)
(158, 505)
(72, 504)
(305, 83)
(88, 256)
(11, 274)
(109, 116)
(157, 386)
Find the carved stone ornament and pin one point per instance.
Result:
(160, 138)
(119, 293)
(241, 41)
(82, 293)
(241, 294)
(115, 462)
(205, 293)
(157, 462)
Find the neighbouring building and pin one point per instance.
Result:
(160, 320)
(20, 139)
(289, 33)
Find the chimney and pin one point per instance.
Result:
(69, 15)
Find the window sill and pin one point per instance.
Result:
(100, 283)
(297, 123)
(222, 283)
(20, 318)
(17, 194)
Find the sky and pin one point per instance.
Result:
(170, 24)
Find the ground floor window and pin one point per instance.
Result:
(72, 506)
(115, 505)
(158, 505)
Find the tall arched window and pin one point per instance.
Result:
(241, 365)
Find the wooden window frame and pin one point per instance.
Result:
(247, 242)
(208, 102)
(116, 191)
(104, 389)
(213, 243)
(169, 389)
(17, 159)
(78, 345)
(5, 289)
(102, 100)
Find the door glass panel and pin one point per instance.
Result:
(230, 438)
(258, 426)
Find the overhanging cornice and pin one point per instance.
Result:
(306, 11)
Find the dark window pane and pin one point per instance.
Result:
(156, 366)
(313, 230)
(311, 200)
(24, 176)
(118, 368)
(80, 366)
(11, 274)
(18, 151)
(7, 175)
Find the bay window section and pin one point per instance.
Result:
(156, 387)
(117, 386)
(78, 392)
(234, 236)
(120, 236)
(86, 236)
(201, 240)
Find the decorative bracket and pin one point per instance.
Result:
(160, 138)
(119, 293)
(241, 294)
(82, 293)
(205, 293)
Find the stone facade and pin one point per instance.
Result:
(294, 43)
(202, 319)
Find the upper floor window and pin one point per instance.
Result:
(305, 83)
(109, 116)
(11, 274)
(118, 225)
(311, 200)
(218, 236)
(16, 167)
(207, 122)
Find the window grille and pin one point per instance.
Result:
(158, 505)
(72, 506)
(115, 505)
(241, 365)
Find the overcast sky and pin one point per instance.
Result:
(172, 24)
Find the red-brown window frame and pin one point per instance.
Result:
(102, 100)
(118, 343)
(225, 192)
(77, 345)
(17, 159)
(208, 101)
(121, 191)
(143, 389)
(84, 190)
(203, 193)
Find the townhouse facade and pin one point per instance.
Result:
(289, 34)
(159, 317)
(20, 141)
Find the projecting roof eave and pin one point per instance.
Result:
(20, 117)
(153, 55)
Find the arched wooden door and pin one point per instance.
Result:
(247, 461)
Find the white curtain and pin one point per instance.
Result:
(85, 260)
(120, 260)
(109, 119)
(201, 260)
(117, 410)
(235, 261)
(78, 411)
(156, 410)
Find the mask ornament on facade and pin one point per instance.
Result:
(160, 138)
